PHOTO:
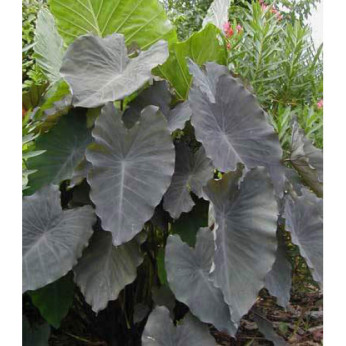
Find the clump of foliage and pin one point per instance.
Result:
(159, 190)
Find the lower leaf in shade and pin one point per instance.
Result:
(160, 331)
(279, 280)
(245, 226)
(104, 269)
(54, 300)
(304, 220)
(190, 268)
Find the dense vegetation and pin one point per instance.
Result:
(157, 189)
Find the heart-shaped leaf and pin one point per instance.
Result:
(307, 159)
(217, 13)
(231, 126)
(104, 270)
(64, 148)
(54, 300)
(49, 46)
(53, 239)
(131, 170)
(99, 70)
(245, 227)
(192, 172)
(278, 281)
(141, 22)
(160, 331)
(187, 268)
(158, 95)
(304, 220)
(201, 47)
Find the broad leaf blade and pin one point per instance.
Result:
(131, 170)
(187, 268)
(141, 22)
(99, 70)
(104, 270)
(304, 220)
(278, 281)
(53, 239)
(175, 69)
(217, 13)
(49, 46)
(307, 160)
(160, 331)
(192, 172)
(245, 226)
(54, 300)
(233, 129)
(64, 148)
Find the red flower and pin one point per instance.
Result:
(320, 104)
(228, 30)
(228, 46)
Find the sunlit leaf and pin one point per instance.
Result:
(141, 21)
(53, 239)
(49, 46)
(160, 331)
(192, 172)
(217, 13)
(99, 70)
(104, 269)
(245, 225)
(187, 268)
(201, 47)
(131, 170)
(231, 126)
(304, 220)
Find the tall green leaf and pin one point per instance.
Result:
(141, 21)
(175, 69)
(54, 300)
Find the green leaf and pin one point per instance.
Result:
(160, 259)
(141, 21)
(188, 225)
(54, 300)
(57, 102)
(65, 146)
(49, 48)
(175, 69)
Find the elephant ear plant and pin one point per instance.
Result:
(131, 168)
